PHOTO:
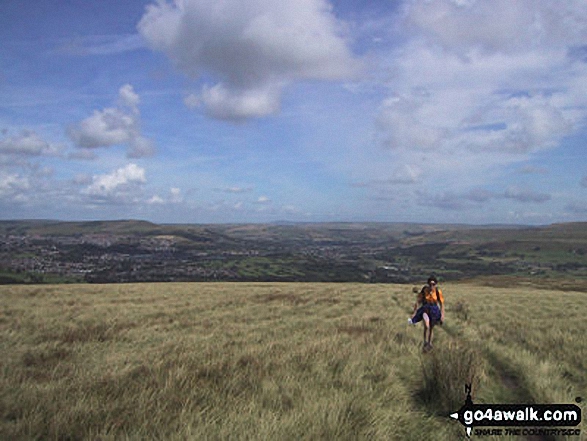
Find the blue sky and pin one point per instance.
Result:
(197, 111)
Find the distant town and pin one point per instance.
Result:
(135, 251)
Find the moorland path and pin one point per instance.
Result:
(515, 384)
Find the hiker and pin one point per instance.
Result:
(431, 310)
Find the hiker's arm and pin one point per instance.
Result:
(441, 312)
(440, 301)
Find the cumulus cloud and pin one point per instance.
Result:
(250, 50)
(104, 128)
(122, 185)
(13, 185)
(476, 85)
(223, 103)
(155, 200)
(444, 102)
(128, 97)
(175, 197)
(27, 143)
(119, 125)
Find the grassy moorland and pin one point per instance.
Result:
(275, 361)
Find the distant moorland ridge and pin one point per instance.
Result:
(48, 251)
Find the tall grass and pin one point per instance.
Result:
(271, 361)
(445, 374)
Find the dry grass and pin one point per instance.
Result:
(445, 372)
(273, 361)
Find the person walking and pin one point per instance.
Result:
(429, 308)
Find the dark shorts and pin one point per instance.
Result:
(433, 312)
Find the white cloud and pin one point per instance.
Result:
(155, 200)
(128, 97)
(114, 126)
(250, 50)
(12, 185)
(476, 85)
(27, 143)
(441, 101)
(175, 195)
(104, 128)
(499, 25)
(120, 185)
(223, 103)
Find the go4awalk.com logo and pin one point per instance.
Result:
(519, 419)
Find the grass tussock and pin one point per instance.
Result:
(445, 372)
(272, 361)
(460, 310)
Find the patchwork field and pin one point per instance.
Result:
(276, 361)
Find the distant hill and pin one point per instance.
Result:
(60, 228)
(134, 250)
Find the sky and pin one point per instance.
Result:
(237, 111)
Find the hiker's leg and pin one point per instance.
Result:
(434, 317)
(426, 327)
(418, 315)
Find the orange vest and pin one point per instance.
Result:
(429, 295)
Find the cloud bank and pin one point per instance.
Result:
(478, 85)
(245, 53)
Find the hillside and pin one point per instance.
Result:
(276, 361)
(138, 251)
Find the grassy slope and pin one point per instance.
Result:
(274, 361)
